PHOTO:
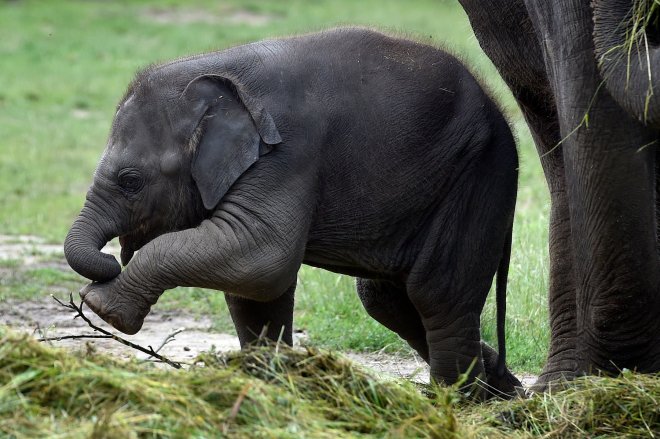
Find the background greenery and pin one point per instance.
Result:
(64, 65)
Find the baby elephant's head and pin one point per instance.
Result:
(175, 148)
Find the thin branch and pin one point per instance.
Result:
(169, 338)
(79, 313)
(72, 337)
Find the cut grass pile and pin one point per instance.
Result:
(260, 393)
(626, 406)
(266, 392)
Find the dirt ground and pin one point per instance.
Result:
(45, 317)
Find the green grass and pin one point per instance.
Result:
(33, 283)
(283, 393)
(331, 312)
(65, 65)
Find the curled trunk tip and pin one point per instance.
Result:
(82, 248)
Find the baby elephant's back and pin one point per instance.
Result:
(370, 76)
(405, 125)
(386, 103)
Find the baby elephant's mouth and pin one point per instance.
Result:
(126, 250)
(130, 243)
(135, 239)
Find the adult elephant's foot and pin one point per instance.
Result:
(557, 372)
(125, 312)
(549, 382)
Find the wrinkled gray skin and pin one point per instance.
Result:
(563, 60)
(348, 150)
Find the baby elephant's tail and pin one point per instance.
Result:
(500, 299)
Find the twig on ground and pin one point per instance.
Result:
(169, 338)
(79, 313)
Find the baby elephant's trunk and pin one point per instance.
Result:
(83, 244)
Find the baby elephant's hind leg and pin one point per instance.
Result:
(388, 303)
(449, 284)
(453, 336)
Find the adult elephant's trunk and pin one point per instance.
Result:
(82, 247)
(627, 45)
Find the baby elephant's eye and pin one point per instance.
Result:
(130, 180)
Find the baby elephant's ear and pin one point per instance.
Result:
(231, 129)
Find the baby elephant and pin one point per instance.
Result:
(350, 150)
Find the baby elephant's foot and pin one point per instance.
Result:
(124, 312)
(501, 384)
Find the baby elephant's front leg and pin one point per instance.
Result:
(126, 300)
(119, 305)
(207, 256)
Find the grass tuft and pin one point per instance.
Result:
(625, 406)
(351, 398)
(644, 18)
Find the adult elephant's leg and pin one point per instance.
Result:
(613, 219)
(657, 195)
(272, 320)
(388, 303)
(610, 182)
(562, 362)
(510, 41)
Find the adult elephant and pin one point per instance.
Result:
(595, 129)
